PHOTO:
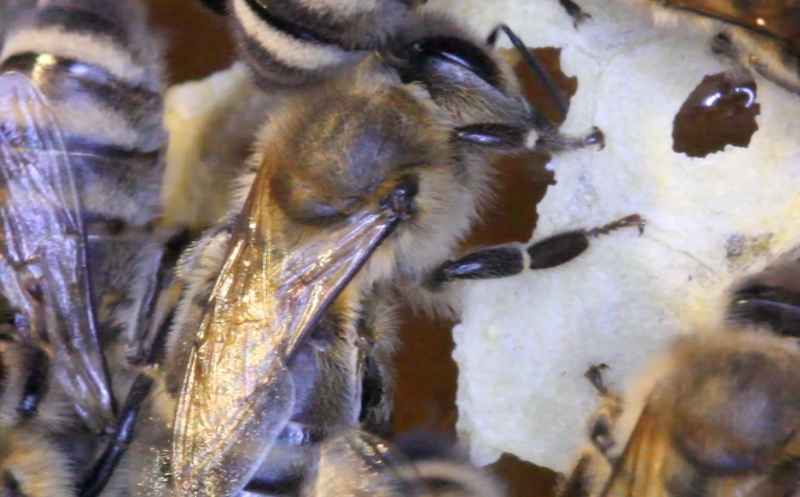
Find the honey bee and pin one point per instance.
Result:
(286, 315)
(81, 154)
(716, 415)
(762, 35)
(290, 45)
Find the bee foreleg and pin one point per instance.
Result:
(499, 136)
(595, 376)
(551, 140)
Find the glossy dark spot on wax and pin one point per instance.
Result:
(717, 113)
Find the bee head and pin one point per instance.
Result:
(736, 400)
(349, 148)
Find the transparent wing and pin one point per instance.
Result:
(270, 291)
(357, 464)
(44, 273)
(647, 459)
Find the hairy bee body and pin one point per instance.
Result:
(285, 46)
(44, 446)
(352, 461)
(357, 195)
(289, 43)
(319, 180)
(716, 415)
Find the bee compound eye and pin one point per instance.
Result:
(461, 53)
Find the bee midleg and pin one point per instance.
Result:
(510, 260)
(601, 423)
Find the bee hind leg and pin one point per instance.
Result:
(510, 260)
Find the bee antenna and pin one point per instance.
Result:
(532, 62)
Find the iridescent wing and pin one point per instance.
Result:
(42, 239)
(357, 464)
(779, 19)
(641, 469)
(272, 289)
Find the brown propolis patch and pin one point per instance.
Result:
(716, 114)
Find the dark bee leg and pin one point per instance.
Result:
(575, 12)
(605, 417)
(777, 308)
(104, 467)
(499, 262)
(498, 136)
(516, 138)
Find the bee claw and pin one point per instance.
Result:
(595, 137)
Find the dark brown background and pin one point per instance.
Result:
(427, 374)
